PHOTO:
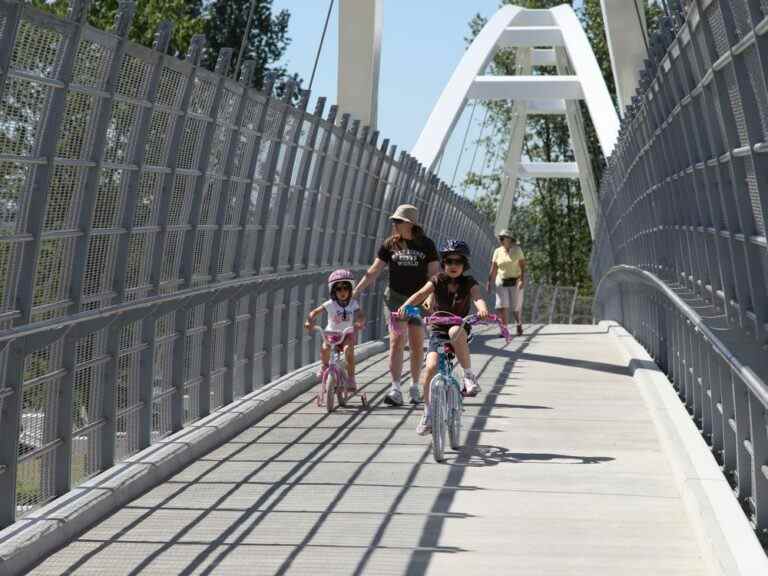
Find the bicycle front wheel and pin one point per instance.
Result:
(330, 389)
(454, 415)
(438, 409)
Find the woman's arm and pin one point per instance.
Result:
(491, 277)
(359, 319)
(482, 309)
(433, 268)
(521, 281)
(419, 296)
(370, 276)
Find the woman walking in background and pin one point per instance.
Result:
(507, 278)
(412, 259)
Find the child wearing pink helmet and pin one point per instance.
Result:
(343, 312)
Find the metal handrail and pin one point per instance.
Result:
(756, 385)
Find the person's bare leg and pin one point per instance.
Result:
(325, 354)
(461, 350)
(349, 355)
(396, 342)
(416, 340)
(427, 374)
(460, 346)
(425, 425)
(502, 313)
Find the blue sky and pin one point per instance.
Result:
(423, 40)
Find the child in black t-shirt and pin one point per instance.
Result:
(453, 291)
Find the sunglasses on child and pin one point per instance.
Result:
(453, 261)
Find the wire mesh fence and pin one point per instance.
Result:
(165, 230)
(684, 204)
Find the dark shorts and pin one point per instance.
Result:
(437, 339)
(394, 300)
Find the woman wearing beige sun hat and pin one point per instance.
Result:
(412, 260)
(507, 278)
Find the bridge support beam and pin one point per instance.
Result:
(625, 31)
(360, 27)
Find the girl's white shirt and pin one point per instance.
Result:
(340, 317)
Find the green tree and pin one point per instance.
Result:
(267, 39)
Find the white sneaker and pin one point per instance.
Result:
(471, 387)
(425, 425)
(415, 392)
(394, 397)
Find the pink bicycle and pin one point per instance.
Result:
(335, 382)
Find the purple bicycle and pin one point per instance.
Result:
(335, 384)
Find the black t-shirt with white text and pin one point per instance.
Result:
(408, 263)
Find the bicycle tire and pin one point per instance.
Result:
(454, 416)
(330, 390)
(437, 403)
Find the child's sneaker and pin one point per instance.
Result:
(394, 397)
(471, 387)
(415, 392)
(425, 425)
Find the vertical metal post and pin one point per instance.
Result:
(311, 242)
(48, 141)
(162, 41)
(241, 267)
(285, 182)
(12, 12)
(306, 186)
(270, 186)
(198, 195)
(10, 425)
(193, 57)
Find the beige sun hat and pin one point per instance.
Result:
(406, 212)
(506, 233)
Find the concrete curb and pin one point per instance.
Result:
(26, 542)
(725, 534)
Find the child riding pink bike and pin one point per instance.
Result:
(345, 317)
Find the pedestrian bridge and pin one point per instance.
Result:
(166, 228)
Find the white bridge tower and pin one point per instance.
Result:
(553, 38)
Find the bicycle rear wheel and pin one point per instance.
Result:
(438, 408)
(330, 389)
(454, 415)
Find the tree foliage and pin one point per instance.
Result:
(549, 215)
(267, 39)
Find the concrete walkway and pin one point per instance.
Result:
(562, 473)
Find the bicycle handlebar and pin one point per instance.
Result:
(446, 319)
(333, 337)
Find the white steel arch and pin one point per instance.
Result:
(552, 37)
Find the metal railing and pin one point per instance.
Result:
(548, 304)
(684, 205)
(164, 231)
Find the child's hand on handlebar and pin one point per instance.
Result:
(308, 326)
(482, 314)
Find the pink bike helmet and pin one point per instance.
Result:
(338, 277)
